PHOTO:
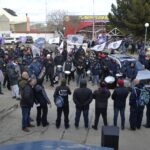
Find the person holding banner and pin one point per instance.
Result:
(59, 61)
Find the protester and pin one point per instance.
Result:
(136, 111)
(119, 97)
(62, 91)
(101, 96)
(67, 68)
(49, 64)
(13, 74)
(82, 98)
(41, 101)
(27, 100)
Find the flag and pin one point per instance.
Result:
(55, 40)
(75, 39)
(99, 47)
(115, 45)
(60, 48)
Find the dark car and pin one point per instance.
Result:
(29, 39)
(143, 74)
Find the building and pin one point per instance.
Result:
(10, 22)
(84, 24)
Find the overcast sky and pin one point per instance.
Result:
(36, 9)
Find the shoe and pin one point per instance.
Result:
(31, 120)
(25, 130)
(57, 127)
(18, 98)
(1, 93)
(122, 128)
(38, 124)
(31, 125)
(14, 97)
(47, 124)
(133, 129)
(94, 127)
(146, 126)
(76, 126)
(67, 126)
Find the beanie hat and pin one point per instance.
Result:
(120, 82)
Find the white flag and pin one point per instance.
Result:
(55, 40)
(115, 45)
(99, 48)
(60, 48)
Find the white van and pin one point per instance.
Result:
(10, 40)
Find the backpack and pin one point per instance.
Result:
(144, 97)
(59, 101)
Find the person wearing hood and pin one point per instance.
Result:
(63, 91)
(42, 100)
(136, 111)
(13, 75)
(101, 96)
(119, 97)
(131, 72)
(82, 98)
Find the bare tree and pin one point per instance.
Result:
(56, 19)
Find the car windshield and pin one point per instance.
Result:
(138, 65)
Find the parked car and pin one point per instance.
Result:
(143, 74)
(29, 39)
(10, 40)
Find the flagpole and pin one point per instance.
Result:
(93, 29)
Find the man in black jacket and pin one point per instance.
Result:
(27, 101)
(82, 98)
(41, 99)
(136, 110)
(62, 91)
(119, 96)
(101, 96)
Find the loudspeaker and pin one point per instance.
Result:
(110, 137)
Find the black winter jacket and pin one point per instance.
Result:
(62, 91)
(101, 98)
(119, 96)
(40, 95)
(27, 94)
(82, 97)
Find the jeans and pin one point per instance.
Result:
(25, 117)
(65, 110)
(95, 79)
(78, 79)
(15, 90)
(148, 115)
(136, 115)
(42, 115)
(103, 112)
(85, 116)
(122, 114)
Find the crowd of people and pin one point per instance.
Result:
(24, 74)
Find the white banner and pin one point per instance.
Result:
(115, 45)
(55, 40)
(75, 39)
(70, 46)
(99, 48)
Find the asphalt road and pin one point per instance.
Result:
(10, 125)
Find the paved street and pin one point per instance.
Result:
(10, 126)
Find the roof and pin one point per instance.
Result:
(13, 19)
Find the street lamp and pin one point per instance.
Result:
(146, 26)
(93, 27)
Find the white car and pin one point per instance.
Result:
(10, 40)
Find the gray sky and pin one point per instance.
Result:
(36, 9)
